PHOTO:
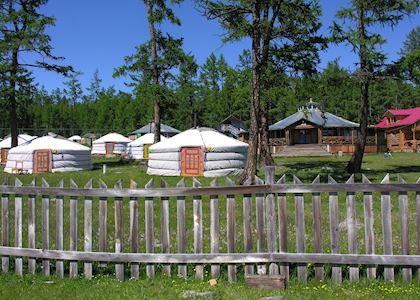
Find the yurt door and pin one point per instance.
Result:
(146, 150)
(192, 163)
(4, 152)
(42, 161)
(109, 148)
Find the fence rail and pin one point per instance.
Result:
(275, 237)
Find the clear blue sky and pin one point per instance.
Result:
(97, 34)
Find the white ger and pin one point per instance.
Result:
(6, 144)
(198, 152)
(139, 148)
(110, 144)
(48, 154)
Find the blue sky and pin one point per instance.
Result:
(97, 34)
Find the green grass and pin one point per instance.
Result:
(306, 168)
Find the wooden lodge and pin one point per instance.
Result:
(310, 125)
(233, 127)
(402, 129)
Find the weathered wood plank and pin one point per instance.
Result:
(300, 231)
(164, 227)
(88, 230)
(45, 229)
(247, 212)
(18, 229)
(270, 213)
(404, 229)
(134, 231)
(231, 230)
(59, 232)
(271, 282)
(119, 232)
(150, 229)
(5, 227)
(74, 224)
(181, 229)
(418, 226)
(214, 229)
(337, 276)
(260, 224)
(369, 229)
(32, 230)
(387, 228)
(103, 212)
(198, 229)
(316, 210)
(352, 229)
(283, 240)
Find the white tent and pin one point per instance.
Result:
(198, 152)
(75, 138)
(112, 143)
(6, 144)
(135, 149)
(48, 154)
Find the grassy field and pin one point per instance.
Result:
(306, 168)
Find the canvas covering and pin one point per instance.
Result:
(120, 143)
(136, 147)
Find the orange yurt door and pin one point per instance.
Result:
(42, 161)
(146, 150)
(192, 162)
(4, 152)
(109, 148)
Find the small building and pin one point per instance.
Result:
(75, 138)
(6, 145)
(110, 144)
(48, 154)
(311, 125)
(139, 148)
(198, 152)
(233, 127)
(89, 138)
(165, 130)
(402, 129)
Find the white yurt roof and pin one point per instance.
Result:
(22, 138)
(112, 138)
(198, 137)
(75, 138)
(148, 138)
(48, 142)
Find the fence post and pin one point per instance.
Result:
(45, 228)
(164, 228)
(18, 228)
(198, 229)
(369, 229)
(231, 230)
(74, 212)
(150, 229)
(214, 228)
(352, 228)
(59, 233)
(134, 229)
(119, 231)
(334, 231)
(88, 230)
(181, 229)
(32, 228)
(316, 211)
(418, 225)
(5, 226)
(259, 199)
(270, 212)
(404, 232)
(300, 230)
(103, 212)
(247, 211)
(282, 216)
(387, 229)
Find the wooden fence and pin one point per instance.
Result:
(273, 240)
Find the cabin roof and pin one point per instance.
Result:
(149, 128)
(410, 116)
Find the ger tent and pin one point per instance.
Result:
(6, 144)
(75, 138)
(48, 154)
(198, 152)
(139, 148)
(112, 143)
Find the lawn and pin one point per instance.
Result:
(306, 168)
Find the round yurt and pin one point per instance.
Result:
(48, 154)
(198, 152)
(110, 144)
(75, 138)
(6, 144)
(139, 148)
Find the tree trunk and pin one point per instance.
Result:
(156, 104)
(355, 163)
(251, 165)
(265, 151)
(12, 99)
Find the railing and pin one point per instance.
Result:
(345, 140)
(277, 141)
(263, 211)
